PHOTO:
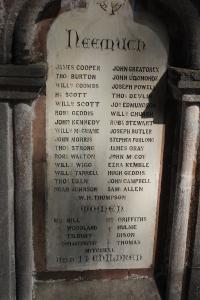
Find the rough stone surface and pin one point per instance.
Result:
(31, 14)
(24, 82)
(184, 77)
(184, 81)
(187, 12)
(182, 18)
(7, 265)
(132, 289)
(196, 252)
(19, 18)
(194, 290)
(185, 177)
(23, 200)
(24, 71)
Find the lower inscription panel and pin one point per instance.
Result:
(104, 141)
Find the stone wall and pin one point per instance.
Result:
(23, 29)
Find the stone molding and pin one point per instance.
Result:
(184, 84)
(19, 83)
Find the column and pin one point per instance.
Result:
(185, 86)
(19, 87)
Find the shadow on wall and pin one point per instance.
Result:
(157, 100)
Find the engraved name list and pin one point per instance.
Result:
(104, 141)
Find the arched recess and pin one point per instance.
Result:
(11, 12)
(182, 20)
(26, 29)
(180, 17)
(30, 23)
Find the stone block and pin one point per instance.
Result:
(194, 290)
(132, 289)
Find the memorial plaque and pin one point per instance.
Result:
(104, 126)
